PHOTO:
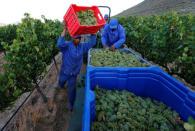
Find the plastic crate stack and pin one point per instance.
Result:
(142, 81)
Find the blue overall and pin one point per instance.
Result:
(116, 38)
(72, 57)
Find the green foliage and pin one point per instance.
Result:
(7, 35)
(124, 111)
(117, 58)
(190, 126)
(6, 91)
(167, 40)
(28, 55)
(86, 17)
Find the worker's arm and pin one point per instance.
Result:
(62, 44)
(88, 45)
(105, 36)
(122, 38)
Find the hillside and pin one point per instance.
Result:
(148, 7)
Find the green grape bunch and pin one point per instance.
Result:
(86, 17)
(124, 111)
(107, 58)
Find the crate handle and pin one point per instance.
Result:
(100, 17)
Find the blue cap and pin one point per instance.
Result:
(79, 36)
(113, 23)
(106, 16)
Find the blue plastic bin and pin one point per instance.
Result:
(123, 50)
(146, 82)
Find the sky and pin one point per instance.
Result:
(12, 11)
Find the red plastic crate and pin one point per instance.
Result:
(73, 25)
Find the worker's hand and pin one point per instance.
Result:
(105, 46)
(112, 48)
(65, 27)
(64, 24)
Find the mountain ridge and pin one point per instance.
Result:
(148, 7)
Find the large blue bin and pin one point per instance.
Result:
(147, 82)
(123, 50)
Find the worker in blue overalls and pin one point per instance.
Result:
(113, 35)
(106, 17)
(72, 57)
(102, 29)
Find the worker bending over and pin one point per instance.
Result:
(113, 35)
